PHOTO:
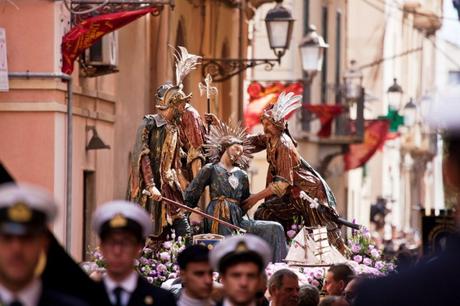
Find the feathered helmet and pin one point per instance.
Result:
(221, 137)
(168, 94)
(286, 103)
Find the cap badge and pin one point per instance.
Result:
(241, 247)
(118, 221)
(148, 300)
(20, 212)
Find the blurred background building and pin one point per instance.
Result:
(397, 165)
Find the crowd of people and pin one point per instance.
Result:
(26, 278)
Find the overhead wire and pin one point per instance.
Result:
(437, 48)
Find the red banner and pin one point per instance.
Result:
(86, 33)
(260, 97)
(325, 113)
(375, 135)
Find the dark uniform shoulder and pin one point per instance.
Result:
(147, 294)
(51, 297)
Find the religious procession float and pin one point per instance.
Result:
(177, 156)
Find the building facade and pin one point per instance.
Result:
(33, 113)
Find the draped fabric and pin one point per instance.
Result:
(87, 32)
(191, 133)
(158, 141)
(225, 204)
(286, 165)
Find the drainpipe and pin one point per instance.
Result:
(68, 79)
(241, 51)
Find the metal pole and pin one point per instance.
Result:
(68, 79)
(242, 9)
(360, 114)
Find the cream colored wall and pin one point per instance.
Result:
(385, 35)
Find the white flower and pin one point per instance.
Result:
(165, 256)
(314, 204)
(161, 268)
(167, 244)
(303, 195)
(367, 261)
(375, 253)
(318, 274)
(379, 265)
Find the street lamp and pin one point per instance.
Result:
(279, 24)
(312, 51)
(394, 94)
(353, 81)
(410, 113)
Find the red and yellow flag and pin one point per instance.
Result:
(86, 33)
(375, 135)
(326, 114)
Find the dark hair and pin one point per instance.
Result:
(308, 296)
(277, 278)
(342, 272)
(329, 300)
(233, 259)
(193, 253)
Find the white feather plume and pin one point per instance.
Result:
(287, 102)
(185, 63)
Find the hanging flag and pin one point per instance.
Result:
(326, 114)
(86, 33)
(260, 97)
(375, 135)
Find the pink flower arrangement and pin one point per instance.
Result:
(367, 261)
(307, 275)
(358, 258)
(362, 250)
(291, 234)
(157, 263)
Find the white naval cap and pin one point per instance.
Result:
(25, 209)
(239, 245)
(122, 215)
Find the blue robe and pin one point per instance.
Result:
(225, 204)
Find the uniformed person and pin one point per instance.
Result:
(122, 227)
(25, 212)
(241, 262)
